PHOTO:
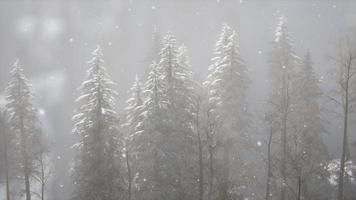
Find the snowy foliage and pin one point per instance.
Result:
(162, 137)
(97, 166)
(227, 85)
(333, 168)
(24, 124)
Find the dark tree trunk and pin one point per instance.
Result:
(269, 171)
(6, 155)
(26, 161)
(340, 189)
(129, 174)
(211, 163)
(201, 163)
(299, 194)
(285, 106)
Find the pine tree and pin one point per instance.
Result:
(132, 125)
(144, 135)
(308, 152)
(283, 64)
(165, 137)
(227, 86)
(97, 166)
(24, 123)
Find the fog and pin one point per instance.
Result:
(54, 39)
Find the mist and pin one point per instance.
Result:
(57, 42)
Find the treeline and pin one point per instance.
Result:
(184, 139)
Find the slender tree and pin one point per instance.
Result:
(6, 142)
(283, 65)
(132, 125)
(345, 60)
(24, 122)
(307, 151)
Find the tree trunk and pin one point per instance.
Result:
(299, 187)
(25, 160)
(43, 181)
(6, 157)
(225, 179)
(285, 106)
(269, 172)
(200, 146)
(129, 174)
(340, 188)
(211, 165)
(201, 168)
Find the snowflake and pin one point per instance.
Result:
(71, 40)
(41, 111)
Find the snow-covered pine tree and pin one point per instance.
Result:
(178, 136)
(97, 173)
(134, 103)
(132, 125)
(24, 123)
(283, 64)
(143, 139)
(165, 137)
(308, 152)
(227, 85)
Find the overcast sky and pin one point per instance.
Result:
(54, 38)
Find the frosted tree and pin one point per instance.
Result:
(132, 125)
(24, 123)
(307, 152)
(283, 64)
(97, 169)
(165, 137)
(144, 135)
(177, 140)
(227, 86)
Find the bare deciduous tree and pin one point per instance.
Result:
(345, 61)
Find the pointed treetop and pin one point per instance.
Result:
(281, 29)
(98, 51)
(226, 27)
(169, 39)
(17, 66)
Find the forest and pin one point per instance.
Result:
(185, 135)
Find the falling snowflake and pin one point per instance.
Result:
(41, 111)
(71, 40)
